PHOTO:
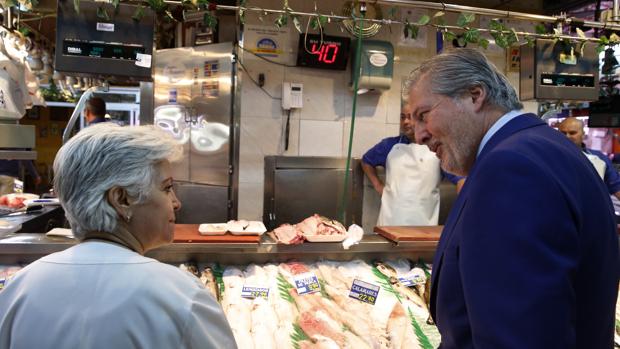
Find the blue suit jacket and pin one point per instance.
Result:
(529, 256)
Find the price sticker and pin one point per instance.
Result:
(2, 282)
(364, 291)
(253, 292)
(307, 283)
(412, 278)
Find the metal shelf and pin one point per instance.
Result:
(26, 248)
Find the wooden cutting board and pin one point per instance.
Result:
(189, 233)
(410, 233)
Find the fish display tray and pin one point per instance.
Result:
(410, 233)
(189, 233)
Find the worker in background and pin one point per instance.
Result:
(95, 111)
(10, 170)
(410, 194)
(572, 128)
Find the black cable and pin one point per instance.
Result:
(255, 82)
(265, 59)
(288, 128)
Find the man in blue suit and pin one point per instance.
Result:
(529, 255)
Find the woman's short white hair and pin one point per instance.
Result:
(104, 156)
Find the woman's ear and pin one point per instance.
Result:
(119, 200)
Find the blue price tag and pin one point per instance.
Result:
(406, 281)
(252, 292)
(307, 283)
(364, 291)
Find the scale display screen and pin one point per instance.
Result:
(330, 53)
(100, 50)
(570, 80)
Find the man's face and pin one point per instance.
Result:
(406, 122)
(573, 130)
(448, 126)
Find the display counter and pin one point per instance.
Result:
(25, 248)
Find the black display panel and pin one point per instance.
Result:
(89, 45)
(572, 80)
(332, 54)
(100, 50)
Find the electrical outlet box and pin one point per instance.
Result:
(292, 95)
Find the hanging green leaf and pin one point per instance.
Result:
(471, 35)
(209, 20)
(461, 41)
(439, 14)
(318, 21)
(448, 36)
(392, 12)
(102, 14)
(115, 3)
(281, 20)
(157, 5)
(297, 23)
(484, 43)
(138, 14)
(24, 31)
(495, 25)
(465, 18)
(242, 12)
(614, 39)
(513, 37)
(414, 31)
(501, 41)
(76, 6)
(530, 41)
(424, 20)
(540, 29)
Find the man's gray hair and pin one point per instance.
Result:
(454, 73)
(104, 156)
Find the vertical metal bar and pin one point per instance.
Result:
(147, 103)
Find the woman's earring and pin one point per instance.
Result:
(128, 217)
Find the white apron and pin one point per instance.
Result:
(411, 192)
(599, 165)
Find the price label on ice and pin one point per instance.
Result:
(411, 279)
(307, 283)
(253, 292)
(364, 291)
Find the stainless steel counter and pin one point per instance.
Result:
(26, 248)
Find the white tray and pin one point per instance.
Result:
(212, 229)
(326, 238)
(253, 228)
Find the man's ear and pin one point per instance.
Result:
(119, 200)
(478, 96)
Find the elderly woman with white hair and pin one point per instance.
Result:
(115, 185)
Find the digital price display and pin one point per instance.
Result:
(100, 50)
(330, 53)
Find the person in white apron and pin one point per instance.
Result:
(410, 194)
(572, 128)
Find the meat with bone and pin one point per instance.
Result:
(288, 235)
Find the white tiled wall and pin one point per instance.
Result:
(322, 126)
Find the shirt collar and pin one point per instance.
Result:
(497, 126)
